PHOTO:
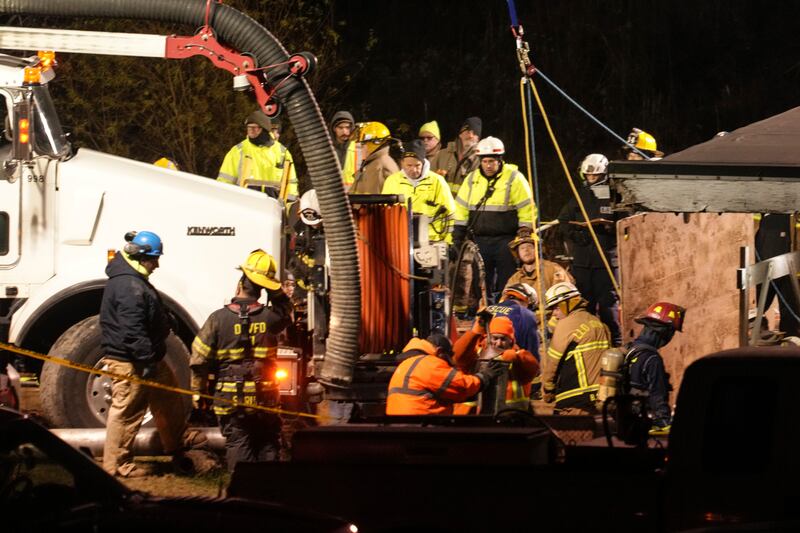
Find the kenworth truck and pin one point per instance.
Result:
(63, 211)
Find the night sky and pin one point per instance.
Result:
(682, 71)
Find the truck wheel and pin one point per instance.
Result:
(72, 398)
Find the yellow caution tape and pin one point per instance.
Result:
(146, 382)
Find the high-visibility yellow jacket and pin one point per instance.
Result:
(507, 206)
(350, 164)
(572, 366)
(430, 196)
(250, 165)
(426, 384)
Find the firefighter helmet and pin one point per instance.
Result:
(594, 164)
(261, 269)
(166, 163)
(372, 132)
(522, 292)
(643, 141)
(143, 243)
(309, 208)
(560, 292)
(491, 147)
(519, 241)
(664, 313)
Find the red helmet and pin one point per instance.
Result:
(664, 313)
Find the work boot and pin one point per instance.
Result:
(133, 470)
(182, 464)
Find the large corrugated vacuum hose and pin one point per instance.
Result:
(246, 35)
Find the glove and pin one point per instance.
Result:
(149, 371)
(548, 393)
(481, 322)
(489, 373)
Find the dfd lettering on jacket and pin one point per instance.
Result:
(581, 331)
(255, 327)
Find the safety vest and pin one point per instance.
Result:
(259, 167)
(239, 344)
(495, 206)
(572, 366)
(425, 384)
(351, 164)
(430, 197)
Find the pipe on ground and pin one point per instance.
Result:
(147, 440)
(246, 35)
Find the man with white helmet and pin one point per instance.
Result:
(571, 370)
(494, 204)
(591, 275)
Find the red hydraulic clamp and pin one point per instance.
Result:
(241, 65)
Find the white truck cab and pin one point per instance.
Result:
(63, 211)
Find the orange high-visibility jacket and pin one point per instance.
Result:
(425, 384)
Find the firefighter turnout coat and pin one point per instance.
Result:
(259, 167)
(239, 345)
(572, 366)
(425, 384)
(430, 196)
(496, 206)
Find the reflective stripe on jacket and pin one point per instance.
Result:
(430, 196)
(250, 165)
(572, 366)
(509, 206)
(521, 374)
(426, 384)
(243, 361)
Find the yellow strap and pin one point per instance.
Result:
(575, 192)
(540, 271)
(147, 383)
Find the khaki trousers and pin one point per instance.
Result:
(129, 403)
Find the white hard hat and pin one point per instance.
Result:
(309, 208)
(560, 292)
(594, 164)
(491, 147)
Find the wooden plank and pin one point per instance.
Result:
(690, 260)
(728, 195)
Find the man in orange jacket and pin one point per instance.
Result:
(426, 383)
(524, 366)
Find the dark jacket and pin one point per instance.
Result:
(133, 321)
(648, 377)
(341, 149)
(583, 250)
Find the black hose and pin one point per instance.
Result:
(246, 35)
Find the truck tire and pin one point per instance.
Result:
(74, 399)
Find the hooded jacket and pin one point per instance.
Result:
(346, 151)
(378, 166)
(134, 325)
(425, 384)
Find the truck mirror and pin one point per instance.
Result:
(22, 131)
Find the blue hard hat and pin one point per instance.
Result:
(144, 243)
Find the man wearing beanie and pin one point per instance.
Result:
(259, 162)
(431, 139)
(429, 193)
(459, 158)
(341, 129)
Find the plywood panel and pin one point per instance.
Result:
(690, 260)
